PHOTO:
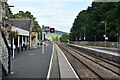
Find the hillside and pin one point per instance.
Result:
(60, 32)
(55, 36)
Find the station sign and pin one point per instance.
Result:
(46, 28)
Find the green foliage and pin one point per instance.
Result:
(22, 15)
(64, 38)
(54, 37)
(91, 19)
(57, 38)
(13, 34)
(37, 26)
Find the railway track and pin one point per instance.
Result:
(102, 69)
(105, 63)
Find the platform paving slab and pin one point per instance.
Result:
(32, 63)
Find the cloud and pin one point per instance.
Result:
(51, 14)
(59, 14)
(50, 0)
(56, 18)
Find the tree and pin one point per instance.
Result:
(91, 18)
(64, 38)
(26, 15)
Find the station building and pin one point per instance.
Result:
(24, 27)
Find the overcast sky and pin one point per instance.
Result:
(59, 14)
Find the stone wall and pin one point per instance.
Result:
(35, 41)
(1, 12)
(3, 53)
(2, 9)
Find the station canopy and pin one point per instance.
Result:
(20, 31)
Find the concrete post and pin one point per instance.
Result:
(43, 51)
(25, 43)
(30, 41)
(22, 43)
(13, 48)
(18, 43)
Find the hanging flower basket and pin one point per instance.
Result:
(13, 34)
(4, 31)
(33, 36)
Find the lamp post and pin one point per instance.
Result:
(95, 40)
(105, 32)
(68, 41)
(80, 38)
(84, 35)
(76, 39)
(118, 41)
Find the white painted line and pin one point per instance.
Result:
(31, 54)
(68, 62)
(12, 73)
(51, 61)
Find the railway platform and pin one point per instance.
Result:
(100, 52)
(60, 65)
(34, 65)
(31, 65)
(111, 51)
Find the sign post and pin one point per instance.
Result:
(45, 30)
(43, 49)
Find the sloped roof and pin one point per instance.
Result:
(21, 23)
(3, 0)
